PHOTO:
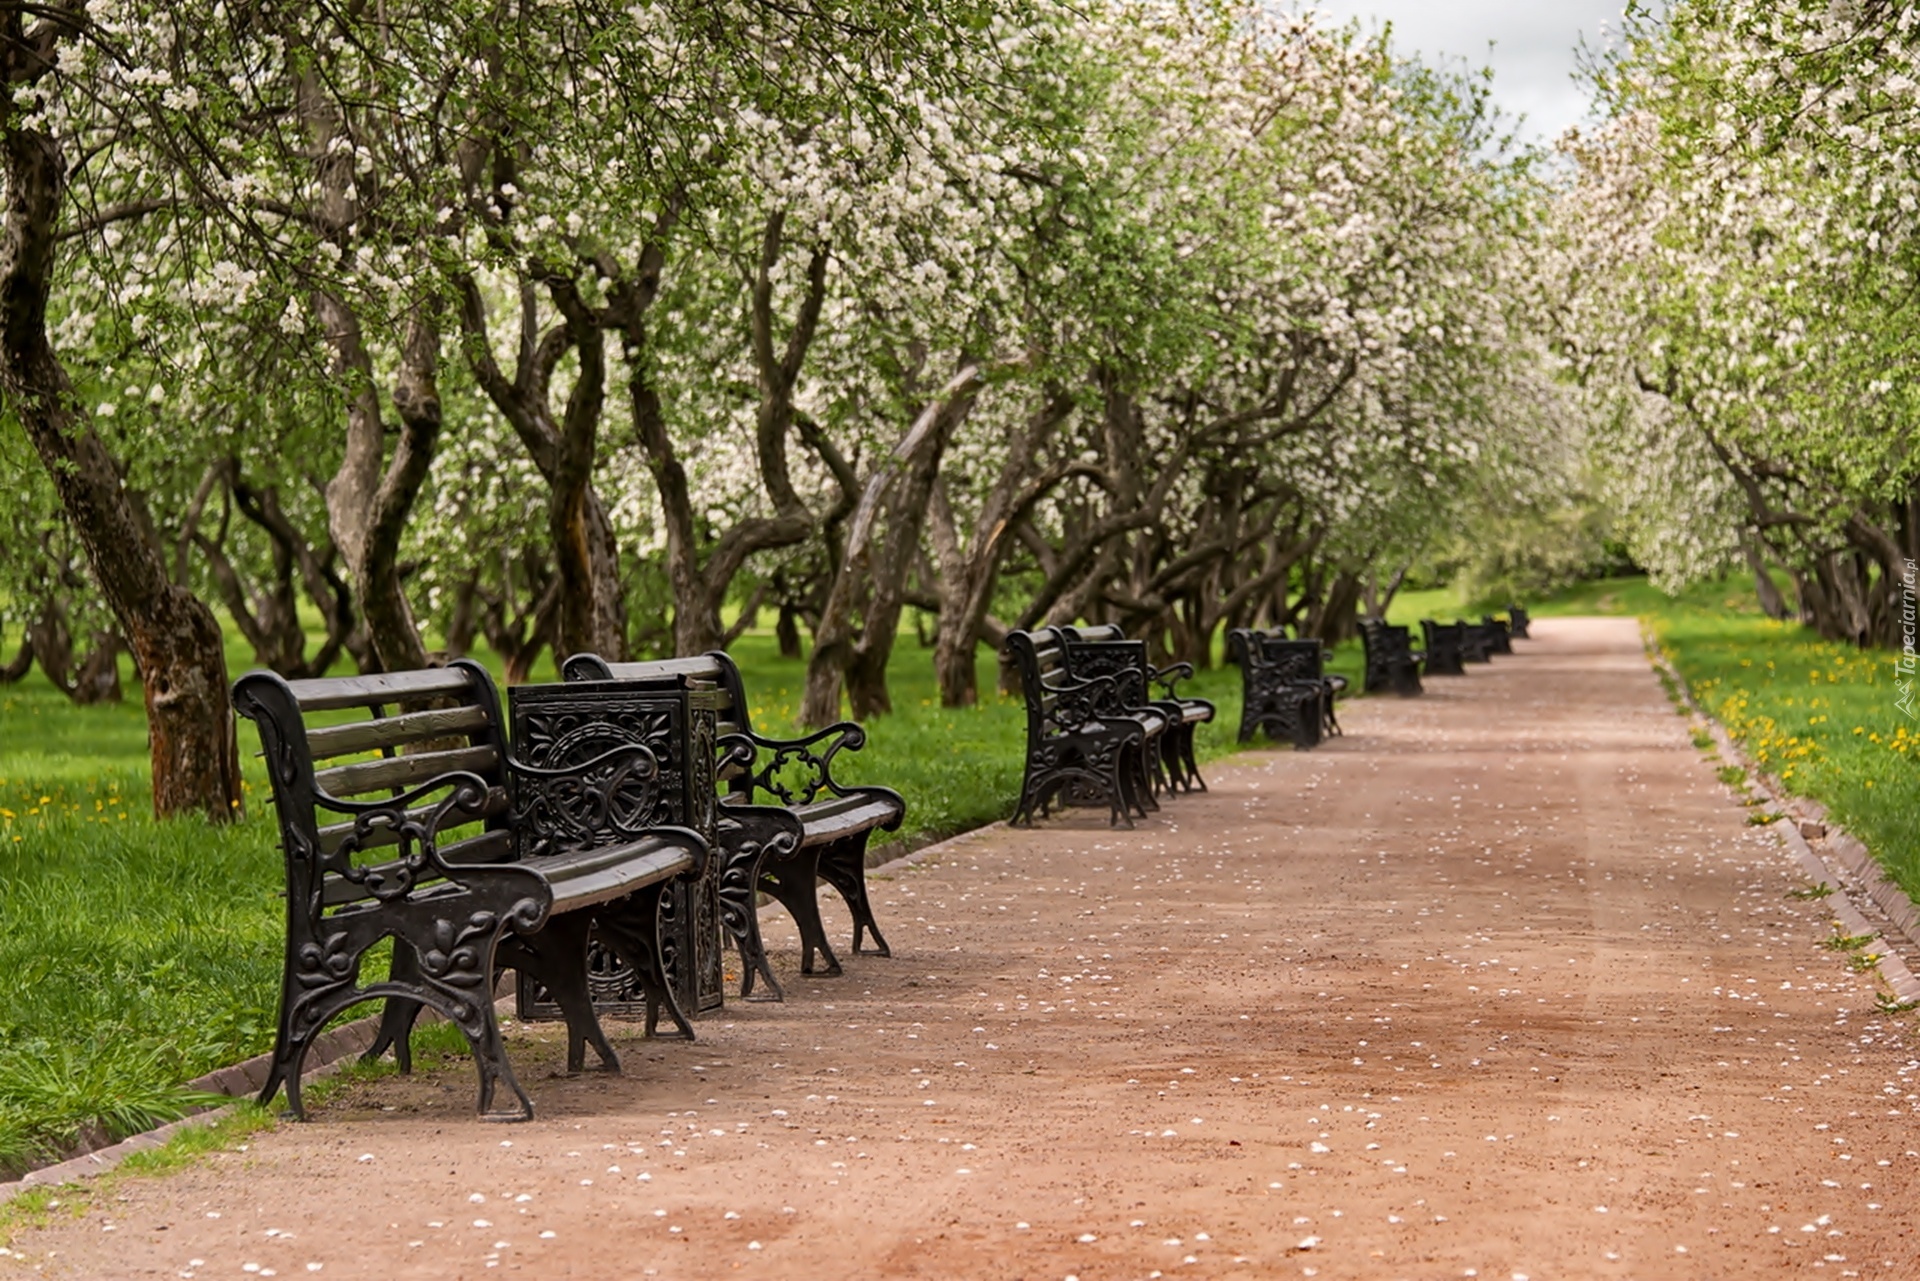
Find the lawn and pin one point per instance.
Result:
(140, 954)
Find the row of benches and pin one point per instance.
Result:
(1097, 734)
(591, 851)
(1393, 663)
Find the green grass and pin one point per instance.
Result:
(138, 954)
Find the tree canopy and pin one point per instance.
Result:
(614, 326)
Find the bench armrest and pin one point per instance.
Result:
(417, 827)
(1165, 677)
(1077, 701)
(743, 752)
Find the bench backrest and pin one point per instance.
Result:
(716, 666)
(1385, 643)
(1041, 658)
(1292, 661)
(1093, 652)
(317, 737)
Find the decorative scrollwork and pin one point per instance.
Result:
(770, 764)
(612, 797)
(415, 829)
(1115, 661)
(1073, 705)
(1166, 677)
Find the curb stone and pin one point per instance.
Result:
(1893, 969)
(1858, 871)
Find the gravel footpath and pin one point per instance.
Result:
(1498, 985)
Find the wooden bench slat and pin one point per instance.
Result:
(581, 878)
(404, 771)
(329, 741)
(828, 821)
(330, 693)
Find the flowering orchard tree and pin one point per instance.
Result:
(1738, 254)
(570, 325)
(72, 82)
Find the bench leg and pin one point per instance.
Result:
(791, 883)
(461, 992)
(1032, 799)
(749, 844)
(556, 958)
(631, 927)
(843, 865)
(1137, 764)
(1186, 753)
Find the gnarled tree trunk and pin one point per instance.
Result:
(175, 640)
(700, 583)
(371, 496)
(872, 585)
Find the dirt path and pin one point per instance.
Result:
(1498, 985)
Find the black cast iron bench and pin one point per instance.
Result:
(467, 860)
(1392, 661)
(1499, 638)
(1078, 751)
(1517, 621)
(1285, 690)
(785, 824)
(1103, 649)
(1446, 642)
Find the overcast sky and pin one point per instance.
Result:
(1533, 45)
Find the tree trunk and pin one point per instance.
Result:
(323, 584)
(1333, 621)
(898, 491)
(592, 615)
(786, 630)
(371, 497)
(175, 639)
(463, 623)
(700, 585)
(1772, 603)
(967, 575)
(95, 678)
(21, 663)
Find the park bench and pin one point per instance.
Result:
(1517, 621)
(468, 860)
(1476, 642)
(1446, 654)
(1128, 699)
(813, 830)
(1499, 638)
(1392, 661)
(1079, 751)
(1103, 648)
(1284, 689)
